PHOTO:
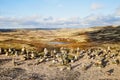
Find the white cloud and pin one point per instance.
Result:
(96, 6)
(117, 12)
(51, 22)
(100, 20)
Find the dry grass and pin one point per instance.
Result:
(39, 39)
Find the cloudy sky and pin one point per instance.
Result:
(58, 13)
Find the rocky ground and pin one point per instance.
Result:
(85, 39)
(27, 70)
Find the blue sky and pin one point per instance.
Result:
(58, 13)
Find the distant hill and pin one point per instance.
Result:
(12, 30)
(108, 33)
(7, 30)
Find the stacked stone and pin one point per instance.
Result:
(99, 56)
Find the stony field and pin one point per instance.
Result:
(61, 54)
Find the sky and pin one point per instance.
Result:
(58, 13)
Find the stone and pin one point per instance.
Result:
(23, 57)
(69, 67)
(54, 61)
(6, 53)
(72, 61)
(16, 53)
(32, 55)
(0, 50)
(110, 72)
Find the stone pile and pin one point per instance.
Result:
(99, 57)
